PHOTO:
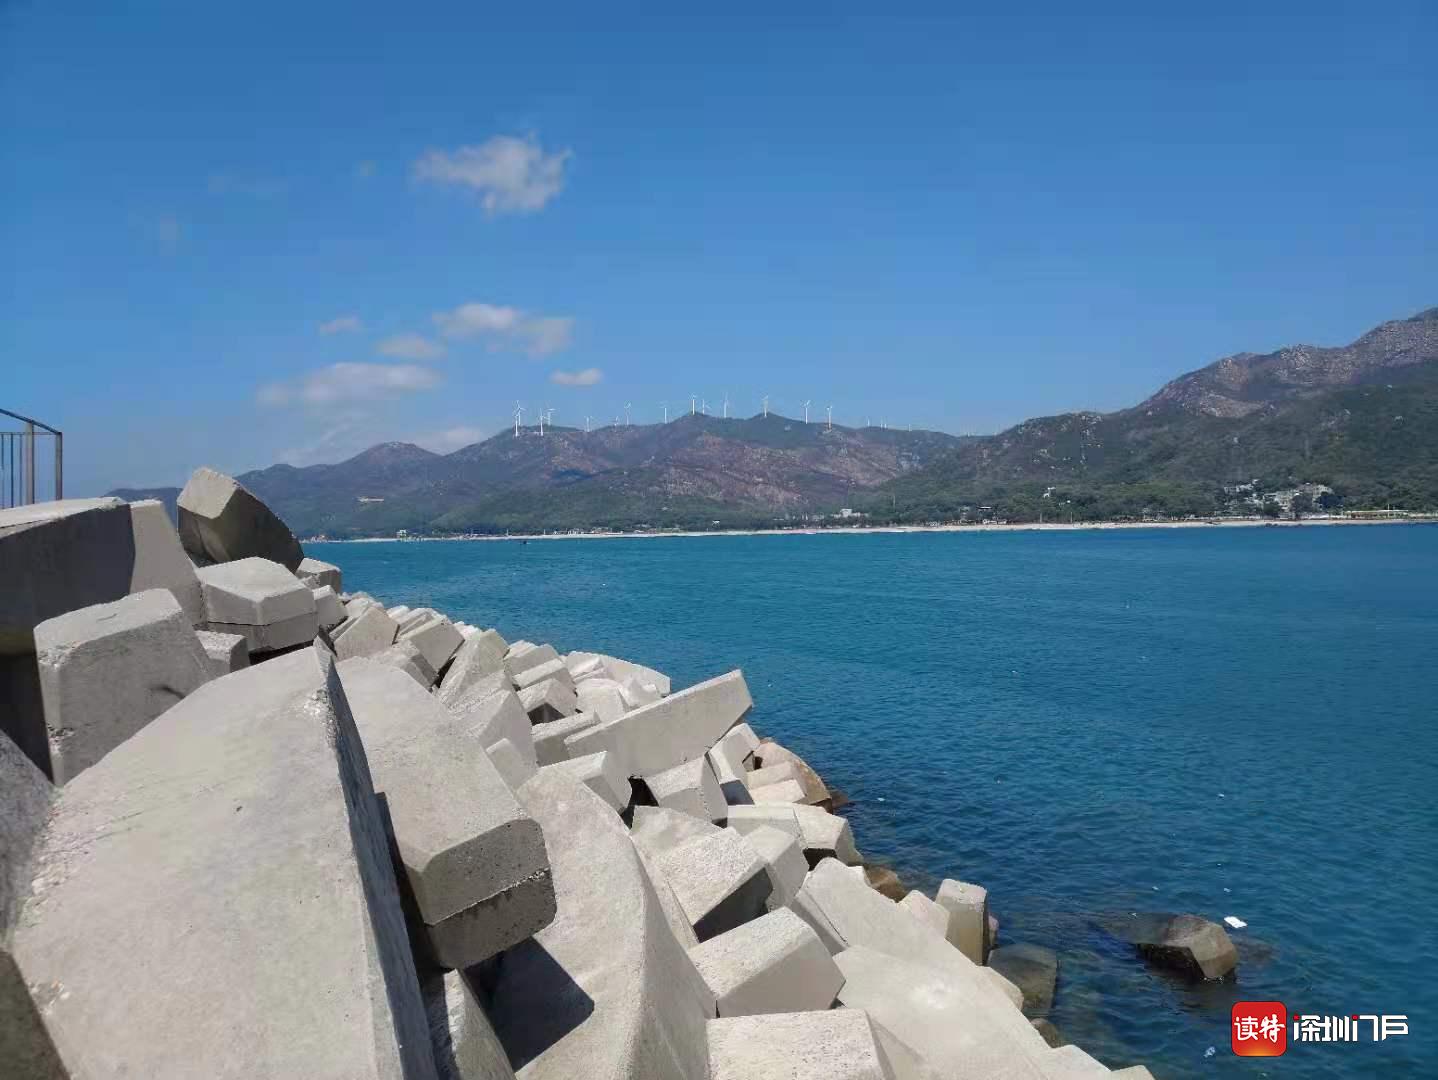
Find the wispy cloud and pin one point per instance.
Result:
(410, 347)
(501, 327)
(345, 324)
(254, 187)
(511, 175)
(364, 170)
(349, 382)
(587, 377)
(449, 440)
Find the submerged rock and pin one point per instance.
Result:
(1188, 944)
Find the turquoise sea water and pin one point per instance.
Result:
(1217, 721)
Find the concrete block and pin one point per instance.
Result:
(600, 773)
(523, 655)
(588, 664)
(397, 612)
(329, 612)
(550, 739)
(823, 832)
(774, 964)
(1033, 969)
(59, 556)
(365, 633)
(1071, 1061)
(225, 652)
(637, 694)
(679, 728)
(549, 701)
(108, 670)
(690, 787)
(551, 669)
(885, 882)
(511, 764)
(729, 758)
(770, 754)
(26, 802)
(928, 912)
(474, 861)
(786, 791)
(771, 774)
(416, 617)
(216, 898)
(1188, 944)
(1008, 989)
(464, 1041)
(316, 573)
(489, 718)
(784, 858)
(720, 880)
(1045, 1028)
(674, 914)
(968, 907)
(958, 1023)
(220, 520)
(160, 560)
(605, 990)
(406, 656)
(602, 697)
(435, 637)
(260, 600)
(658, 831)
(478, 657)
(839, 1044)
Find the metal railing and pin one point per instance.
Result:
(19, 452)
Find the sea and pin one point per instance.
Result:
(1225, 721)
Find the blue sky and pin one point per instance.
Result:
(285, 232)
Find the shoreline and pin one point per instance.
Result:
(855, 530)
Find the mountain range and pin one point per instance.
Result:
(1360, 418)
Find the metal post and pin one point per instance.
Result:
(59, 465)
(29, 462)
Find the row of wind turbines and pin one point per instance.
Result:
(697, 406)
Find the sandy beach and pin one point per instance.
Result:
(855, 530)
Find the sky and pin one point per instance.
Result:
(235, 235)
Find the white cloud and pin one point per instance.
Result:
(449, 440)
(345, 324)
(538, 335)
(510, 174)
(410, 347)
(587, 377)
(348, 382)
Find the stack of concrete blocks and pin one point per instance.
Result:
(60, 557)
(214, 897)
(452, 810)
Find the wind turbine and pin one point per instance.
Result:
(766, 406)
(726, 404)
(627, 407)
(692, 399)
(830, 410)
(665, 406)
(587, 421)
(806, 412)
(518, 418)
(549, 416)
(704, 406)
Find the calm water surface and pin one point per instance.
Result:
(1235, 721)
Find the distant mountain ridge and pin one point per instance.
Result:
(1362, 418)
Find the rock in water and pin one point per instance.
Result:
(1188, 944)
(1033, 969)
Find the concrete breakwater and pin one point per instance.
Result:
(255, 825)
